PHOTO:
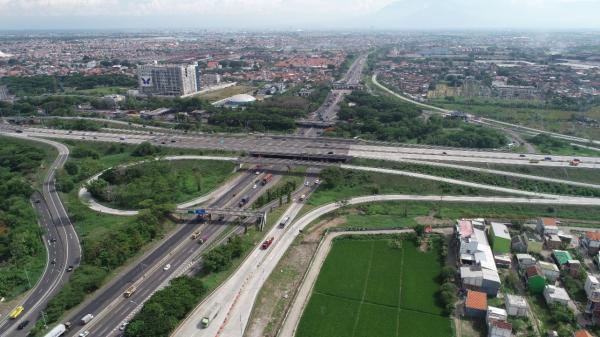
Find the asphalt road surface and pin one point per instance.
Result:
(61, 243)
(306, 146)
(111, 308)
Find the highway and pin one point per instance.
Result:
(244, 283)
(237, 295)
(311, 146)
(61, 242)
(111, 308)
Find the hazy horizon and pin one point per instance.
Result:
(299, 14)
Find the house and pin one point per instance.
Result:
(552, 241)
(554, 294)
(574, 267)
(481, 279)
(561, 257)
(519, 243)
(503, 261)
(535, 279)
(550, 271)
(499, 329)
(582, 333)
(547, 226)
(515, 305)
(592, 288)
(478, 267)
(495, 314)
(591, 242)
(500, 238)
(525, 261)
(476, 304)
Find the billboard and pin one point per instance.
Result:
(146, 81)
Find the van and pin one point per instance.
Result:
(284, 221)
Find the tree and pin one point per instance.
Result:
(419, 230)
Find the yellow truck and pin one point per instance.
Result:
(16, 312)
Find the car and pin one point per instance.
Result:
(95, 137)
(548, 158)
(306, 183)
(53, 240)
(123, 326)
(162, 143)
(167, 267)
(37, 201)
(257, 172)
(254, 186)
(84, 334)
(317, 182)
(330, 152)
(302, 197)
(19, 131)
(521, 155)
(53, 261)
(70, 268)
(22, 325)
(173, 140)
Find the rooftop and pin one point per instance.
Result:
(594, 236)
(562, 256)
(549, 222)
(582, 333)
(476, 300)
(500, 230)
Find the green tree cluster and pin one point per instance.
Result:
(387, 119)
(279, 192)
(163, 311)
(220, 258)
(20, 242)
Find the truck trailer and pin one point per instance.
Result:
(86, 319)
(58, 330)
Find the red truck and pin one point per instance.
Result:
(267, 243)
(267, 179)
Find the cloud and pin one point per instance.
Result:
(183, 7)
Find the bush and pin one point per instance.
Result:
(163, 311)
(220, 258)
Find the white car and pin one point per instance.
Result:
(123, 326)
(317, 182)
(257, 172)
(84, 334)
(254, 187)
(306, 183)
(167, 266)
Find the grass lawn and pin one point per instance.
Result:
(361, 183)
(401, 214)
(585, 175)
(220, 94)
(526, 113)
(485, 178)
(386, 291)
(175, 181)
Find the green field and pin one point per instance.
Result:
(386, 291)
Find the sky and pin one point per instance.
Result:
(299, 14)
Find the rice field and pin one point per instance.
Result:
(372, 288)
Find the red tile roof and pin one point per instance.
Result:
(582, 333)
(594, 236)
(476, 300)
(549, 222)
(502, 324)
(533, 271)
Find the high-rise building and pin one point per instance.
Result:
(167, 80)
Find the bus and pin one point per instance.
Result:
(16, 312)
